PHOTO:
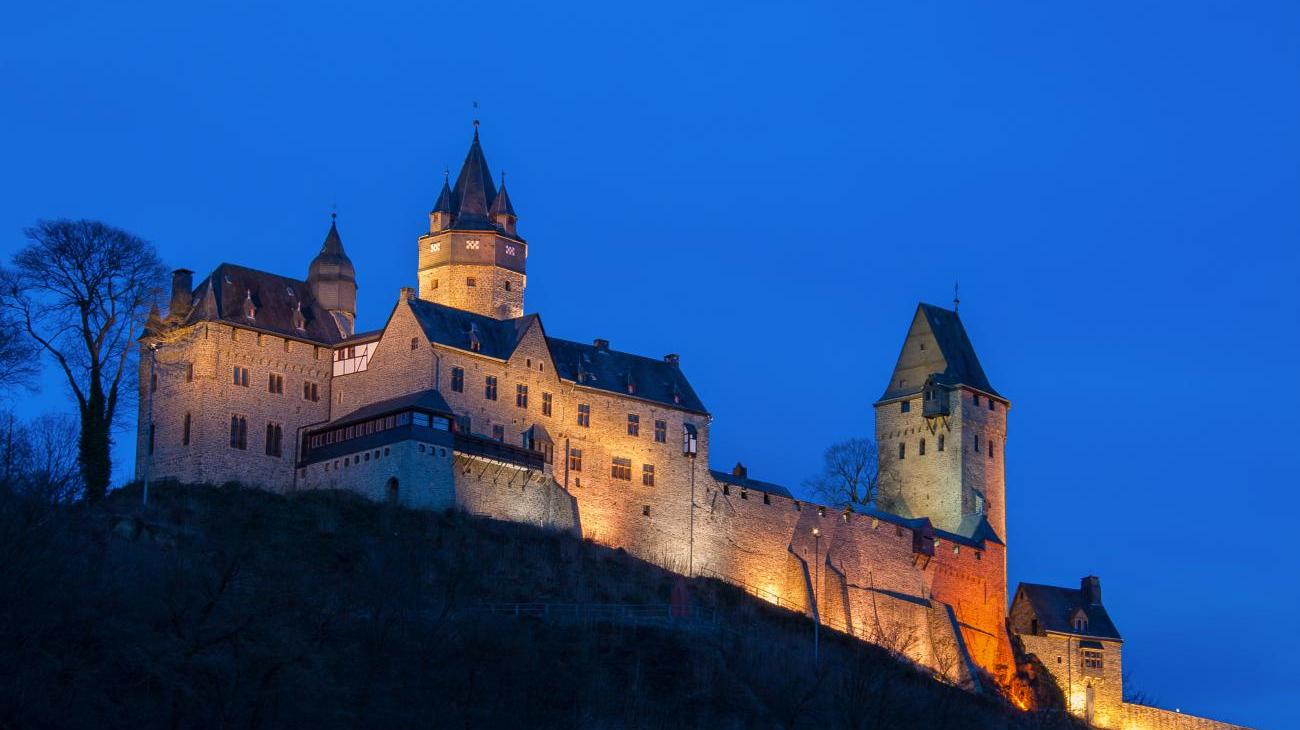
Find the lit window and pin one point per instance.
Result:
(458, 380)
(490, 387)
(621, 469)
(648, 475)
(661, 432)
(584, 415)
(633, 424)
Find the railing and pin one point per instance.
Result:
(493, 449)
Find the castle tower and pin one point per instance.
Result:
(473, 258)
(333, 281)
(941, 430)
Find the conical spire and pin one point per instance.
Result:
(502, 206)
(443, 205)
(474, 193)
(333, 246)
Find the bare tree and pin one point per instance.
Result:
(79, 289)
(19, 358)
(850, 474)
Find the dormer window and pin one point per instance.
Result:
(1080, 622)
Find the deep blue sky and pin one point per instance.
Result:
(769, 192)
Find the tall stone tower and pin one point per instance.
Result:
(941, 429)
(333, 281)
(473, 258)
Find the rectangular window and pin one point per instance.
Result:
(275, 383)
(185, 431)
(990, 448)
(310, 392)
(274, 433)
(1093, 660)
(490, 387)
(921, 449)
(238, 432)
(420, 419)
(977, 443)
(905, 406)
(458, 380)
(189, 372)
(575, 459)
(521, 396)
(975, 398)
(992, 405)
(902, 450)
(546, 404)
(941, 442)
(661, 432)
(499, 432)
(241, 376)
(471, 281)
(648, 475)
(463, 424)
(621, 469)
(584, 415)
(633, 424)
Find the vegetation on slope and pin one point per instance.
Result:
(228, 607)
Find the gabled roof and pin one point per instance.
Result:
(601, 368)
(936, 345)
(747, 483)
(1055, 607)
(429, 400)
(222, 295)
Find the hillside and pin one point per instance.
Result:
(228, 607)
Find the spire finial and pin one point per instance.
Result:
(476, 120)
(956, 297)
(334, 212)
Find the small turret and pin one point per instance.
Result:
(443, 213)
(333, 281)
(503, 213)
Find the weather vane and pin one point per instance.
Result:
(476, 116)
(956, 298)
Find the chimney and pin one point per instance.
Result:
(673, 359)
(601, 345)
(739, 470)
(1090, 587)
(182, 288)
(405, 294)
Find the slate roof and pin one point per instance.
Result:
(430, 400)
(1055, 607)
(474, 193)
(587, 365)
(443, 203)
(748, 483)
(963, 366)
(222, 295)
(502, 206)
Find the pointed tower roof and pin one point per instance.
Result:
(502, 206)
(443, 204)
(936, 345)
(474, 193)
(332, 261)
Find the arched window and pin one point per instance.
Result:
(390, 491)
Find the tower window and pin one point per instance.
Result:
(661, 432)
(584, 415)
(507, 286)
(905, 406)
(185, 431)
(975, 397)
(490, 387)
(471, 281)
(521, 396)
(458, 380)
(433, 283)
(546, 404)
(977, 443)
(992, 405)
(921, 449)
(633, 424)
(575, 459)
(902, 450)
(990, 448)
(648, 475)
(621, 469)
(941, 442)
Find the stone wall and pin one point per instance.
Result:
(1141, 717)
(507, 492)
(210, 397)
(413, 473)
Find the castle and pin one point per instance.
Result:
(462, 400)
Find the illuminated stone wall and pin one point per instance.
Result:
(211, 397)
(449, 259)
(1141, 717)
(422, 470)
